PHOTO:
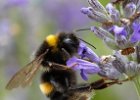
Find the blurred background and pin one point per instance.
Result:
(23, 26)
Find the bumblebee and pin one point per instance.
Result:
(58, 82)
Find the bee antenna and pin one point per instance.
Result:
(87, 42)
(82, 29)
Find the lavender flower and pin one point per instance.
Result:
(136, 33)
(119, 28)
(118, 67)
(108, 70)
(120, 31)
(84, 66)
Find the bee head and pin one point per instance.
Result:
(69, 42)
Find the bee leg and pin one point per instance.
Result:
(101, 84)
(67, 55)
(97, 85)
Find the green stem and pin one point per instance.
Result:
(137, 86)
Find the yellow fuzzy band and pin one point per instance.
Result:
(52, 40)
(46, 88)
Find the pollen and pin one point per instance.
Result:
(52, 40)
(46, 88)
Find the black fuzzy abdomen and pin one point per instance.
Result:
(61, 80)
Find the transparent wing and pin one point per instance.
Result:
(24, 76)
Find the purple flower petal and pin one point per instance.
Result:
(84, 75)
(114, 13)
(83, 65)
(110, 7)
(130, 9)
(86, 10)
(98, 32)
(95, 14)
(135, 26)
(71, 61)
(136, 33)
(95, 4)
(119, 30)
(85, 51)
(78, 64)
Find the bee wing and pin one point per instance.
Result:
(24, 76)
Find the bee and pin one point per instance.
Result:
(128, 51)
(51, 55)
(58, 82)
